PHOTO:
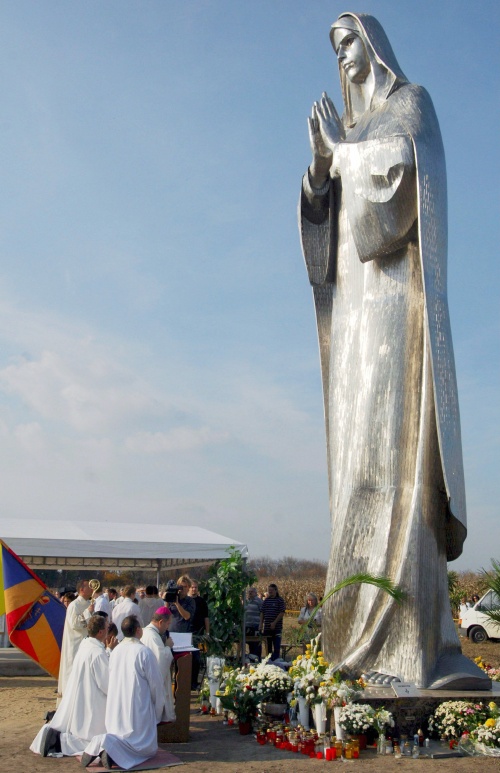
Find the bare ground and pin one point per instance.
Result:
(213, 747)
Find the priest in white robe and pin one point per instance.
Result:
(101, 602)
(81, 713)
(126, 608)
(153, 637)
(149, 604)
(75, 630)
(136, 699)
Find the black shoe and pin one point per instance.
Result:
(51, 742)
(87, 759)
(106, 760)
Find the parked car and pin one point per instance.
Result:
(478, 626)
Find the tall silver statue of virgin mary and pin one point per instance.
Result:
(373, 223)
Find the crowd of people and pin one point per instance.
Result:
(115, 678)
(115, 681)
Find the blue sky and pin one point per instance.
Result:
(158, 354)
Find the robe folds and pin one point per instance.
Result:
(75, 630)
(148, 606)
(374, 240)
(163, 654)
(102, 604)
(126, 608)
(81, 713)
(134, 707)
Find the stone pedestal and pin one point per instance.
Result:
(411, 714)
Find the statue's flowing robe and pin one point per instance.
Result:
(374, 241)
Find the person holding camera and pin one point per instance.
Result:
(183, 607)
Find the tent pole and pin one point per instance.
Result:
(243, 629)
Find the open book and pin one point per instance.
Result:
(183, 642)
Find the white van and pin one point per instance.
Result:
(476, 625)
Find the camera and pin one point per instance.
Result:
(172, 593)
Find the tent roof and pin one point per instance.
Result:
(106, 545)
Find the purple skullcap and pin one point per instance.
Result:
(163, 611)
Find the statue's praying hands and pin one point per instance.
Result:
(325, 132)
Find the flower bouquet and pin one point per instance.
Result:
(485, 738)
(452, 718)
(357, 718)
(319, 684)
(308, 672)
(274, 684)
(204, 696)
(239, 696)
(382, 719)
(493, 673)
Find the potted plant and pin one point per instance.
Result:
(240, 697)
(274, 685)
(357, 719)
(227, 579)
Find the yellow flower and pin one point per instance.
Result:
(490, 722)
(492, 705)
(322, 684)
(252, 670)
(320, 654)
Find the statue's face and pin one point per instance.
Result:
(352, 55)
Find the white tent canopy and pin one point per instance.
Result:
(111, 546)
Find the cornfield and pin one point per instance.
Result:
(293, 591)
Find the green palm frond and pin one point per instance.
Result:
(379, 581)
(492, 578)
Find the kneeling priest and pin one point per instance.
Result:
(135, 704)
(81, 712)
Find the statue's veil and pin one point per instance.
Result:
(390, 76)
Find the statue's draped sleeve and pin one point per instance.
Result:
(397, 194)
(378, 189)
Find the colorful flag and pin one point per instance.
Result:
(2, 599)
(35, 618)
